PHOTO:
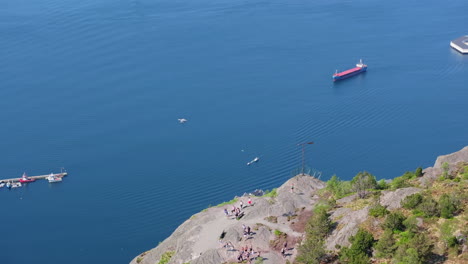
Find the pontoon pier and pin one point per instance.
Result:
(62, 174)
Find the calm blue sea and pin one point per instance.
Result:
(97, 86)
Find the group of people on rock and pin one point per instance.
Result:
(247, 231)
(247, 254)
(237, 211)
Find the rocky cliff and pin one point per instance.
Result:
(276, 220)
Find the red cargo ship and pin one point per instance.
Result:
(360, 67)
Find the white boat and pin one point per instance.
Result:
(253, 161)
(53, 178)
(16, 185)
(182, 120)
(2, 184)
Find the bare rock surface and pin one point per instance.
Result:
(453, 158)
(198, 241)
(347, 225)
(392, 199)
(431, 173)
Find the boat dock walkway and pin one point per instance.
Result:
(62, 174)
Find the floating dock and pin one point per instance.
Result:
(460, 44)
(62, 174)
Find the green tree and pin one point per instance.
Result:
(360, 250)
(362, 182)
(418, 172)
(317, 228)
(411, 224)
(416, 251)
(378, 210)
(386, 245)
(338, 187)
(429, 207)
(448, 205)
(394, 222)
(445, 168)
(383, 185)
(411, 201)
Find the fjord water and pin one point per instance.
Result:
(97, 87)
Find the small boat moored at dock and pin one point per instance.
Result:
(54, 178)
(26, 179)
(360, 67)
(16, 185)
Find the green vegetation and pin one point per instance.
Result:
(233, 201)
(416, 250)
(360, 250)
(418, 172)
(378, 210)
(271, 193)
(428, 207)
(259, 260)
(338, 188)
(166, 257)
(411, 201)
(385, 247)
(394, 222)
(383, 185)
(278, 233)
(445, 168)
(139, 259)
(448, 205)
(362, 182)
(312, 249)
(427, 226)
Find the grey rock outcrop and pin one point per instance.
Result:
(392, 199)
(197, 240)
(431, 173)
(348, 222)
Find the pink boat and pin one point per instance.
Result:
(26, 179)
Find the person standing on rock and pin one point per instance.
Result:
(292, 188)
(249, 202)
(226, 212)
(241, 204)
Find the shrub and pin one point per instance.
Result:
(411, 224)
(386, 245)
(312, 249)
(411, 201)
(409, 175)
(448, 205)
(429, 207)
(418, 172)
(452, 242)
(394, 222)
(337, 187)
(271, 193)
(383, 185)
(278, 233)
(378, 210)
(446, 231)
(362, 182)
(166, 256)
(415, 250)
(399, 182)
(360, 250)
(445, 168)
